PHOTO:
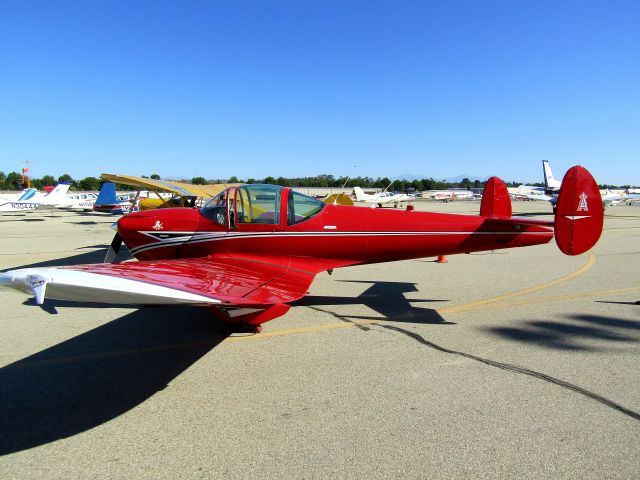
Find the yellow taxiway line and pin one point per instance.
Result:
(486, 304)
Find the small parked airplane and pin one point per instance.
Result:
(24, 202)
(382, 198)
(166, 193)
(254, 249)
(80, 201)
(450, 195)
(32, 199)
(109, 202)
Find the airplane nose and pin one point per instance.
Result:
(133, 222)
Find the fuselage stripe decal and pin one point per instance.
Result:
(198, 237)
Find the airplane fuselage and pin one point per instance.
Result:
(337, 235)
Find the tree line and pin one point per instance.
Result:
(329, 181)
(13, 181)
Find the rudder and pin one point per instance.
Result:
(495, 199)
(579, 212)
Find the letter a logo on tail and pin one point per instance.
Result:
(582, 206)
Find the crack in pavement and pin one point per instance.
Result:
(503, 366)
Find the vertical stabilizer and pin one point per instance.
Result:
(579, 212)
(107, 195)
(57, 196)
(550, 182)
(495, 199)
(360, 195)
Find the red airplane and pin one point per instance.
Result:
(254, 249)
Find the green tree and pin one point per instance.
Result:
(65, 177)
(234, 179)
(155, 176)
(89, 183)
(13, 181)
(3, 177)
(48, 180)
(199, 181)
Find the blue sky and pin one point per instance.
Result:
(300, 88)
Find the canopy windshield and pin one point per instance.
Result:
(259, 204)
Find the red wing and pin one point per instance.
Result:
(234, 281)
(213, 281)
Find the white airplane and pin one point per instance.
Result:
(56, 198)
(80, 201)
(550, 182)
(448, 195)
(74, 201)
(612, 198)
(29, 199)
(32, 199)
(382, 198)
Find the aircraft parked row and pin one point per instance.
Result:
(552, 187)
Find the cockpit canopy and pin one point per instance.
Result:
(259, 204)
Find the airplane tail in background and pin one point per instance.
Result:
(549, 180)
(107, 195)
(579, 212)
(29, 195)
(57, 196)
(360, 195)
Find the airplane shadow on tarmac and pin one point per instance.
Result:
(94, 256)
(97, 376)
(579, 332)
(386, 298)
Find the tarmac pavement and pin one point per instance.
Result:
(521, 363)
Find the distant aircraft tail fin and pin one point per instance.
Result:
(495, 199)
(30, 194)
(579, 212)
(550, 182)
(57, 195)
(107, 195)
(360, 195)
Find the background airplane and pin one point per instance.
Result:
(449, 195)
(109, 201)
(80, 201)
(382, 198)
(552, 186)
(32, 199)
(24, 201)
(181, 194)
(254, 249)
